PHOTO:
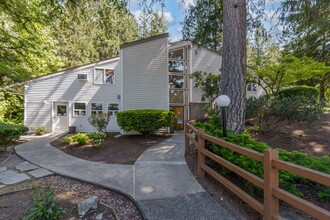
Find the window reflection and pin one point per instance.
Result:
(176, 97)
(176, 82)
(176, 66)
(176, 54)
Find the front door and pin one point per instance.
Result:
(179, 116)
(61, 116)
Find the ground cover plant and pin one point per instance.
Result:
(288, 181)
(146, 121)
(95, 138)
(40, 130)
(10, 133)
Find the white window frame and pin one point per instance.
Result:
(91, 110)
(104, 76)
(73, 109)
(114, 112)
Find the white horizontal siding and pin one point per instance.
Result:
(145, 75)
(38, 114)
(66, 87)
(206, 61)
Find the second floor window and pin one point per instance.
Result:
(104, 76)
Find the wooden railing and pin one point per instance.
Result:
(270, 184)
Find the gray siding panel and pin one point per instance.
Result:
(145, 77)
(206, 61)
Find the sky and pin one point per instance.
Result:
(175, 12)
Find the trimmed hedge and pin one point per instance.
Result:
(305, 91)
(287, 180)
(145, 121)
(10, 133)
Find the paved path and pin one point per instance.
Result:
(160, 180)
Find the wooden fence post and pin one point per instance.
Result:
(201, 157)
(271, 178)
(186, 139)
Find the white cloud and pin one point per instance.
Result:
(185, 3)
(168, 17)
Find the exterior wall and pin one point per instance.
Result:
(41, 94)
(256, 94)
(196, 111)
(145, 78)
(206, 61)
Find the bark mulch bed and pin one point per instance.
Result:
(16, 200)
(125, 149)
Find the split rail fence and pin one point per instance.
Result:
(270, 184)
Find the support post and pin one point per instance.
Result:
(201, 157)
(271, 176)
(186, 139)
(224, 121)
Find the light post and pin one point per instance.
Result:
(223, 101)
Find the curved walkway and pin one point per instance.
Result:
(159, 181)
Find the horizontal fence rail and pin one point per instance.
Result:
(270, 184)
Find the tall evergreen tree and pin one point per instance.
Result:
(152, 18)
(203, 24)
(93, 30)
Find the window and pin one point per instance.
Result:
(104, 76)
(79, 108)
(252, 87)
(176, 82)
(176, 96)
(112, 109)
(96, 108)
(176, 66)
(61, 110)
(176, 54)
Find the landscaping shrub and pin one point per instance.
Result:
(288, 109)
(99, 121)
(80, 138)
(68, 139)
(304, 91)
(45, 207)
(10, 133)
(287, 180)
(144, 121)
(96, 138)
(40, 131)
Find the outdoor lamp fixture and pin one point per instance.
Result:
(223, 101)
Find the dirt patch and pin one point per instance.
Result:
(16, 200)
(125, 149)
(313, 140)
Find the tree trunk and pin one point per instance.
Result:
(233, 76)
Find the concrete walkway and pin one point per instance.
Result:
(160, 180)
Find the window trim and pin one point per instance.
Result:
(90, 108)
(74, 109)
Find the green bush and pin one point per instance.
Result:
(304, 91)
(80, 138)
(144, 121)
(10, 133)
(96, 138)
(99, 121)
(288, 109)
(68, 139)
(287, 180)
(45, 207)
(40, 131)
